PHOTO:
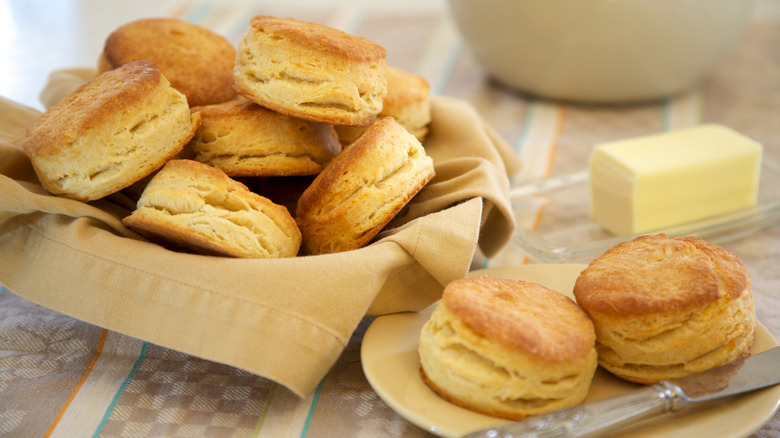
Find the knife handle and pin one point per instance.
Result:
(596, 418)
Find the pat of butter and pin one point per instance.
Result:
(650, 183)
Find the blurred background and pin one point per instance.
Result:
(39, 36)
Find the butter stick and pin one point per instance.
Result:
(657, 181)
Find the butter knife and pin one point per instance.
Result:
(595, 419)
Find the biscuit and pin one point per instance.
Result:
(109, 133)
(195, 206)
(408, 101)
(507, 348)
(666, 307)
(311, 71)
(362, 189)
(245, 139)
(197, 61)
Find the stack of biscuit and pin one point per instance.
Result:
(193, 126)
(650, 309)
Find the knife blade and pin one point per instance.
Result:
(592, 419)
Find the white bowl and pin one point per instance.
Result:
(600, 50)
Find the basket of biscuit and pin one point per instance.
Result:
(249, 205)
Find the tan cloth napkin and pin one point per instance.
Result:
(285, 319)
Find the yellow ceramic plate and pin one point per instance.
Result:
(391, 364)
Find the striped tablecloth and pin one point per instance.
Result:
(63, 377)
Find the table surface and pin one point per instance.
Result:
(60, 376)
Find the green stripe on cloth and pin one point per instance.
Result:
(264, 412)
(313, 405)
(121, 390)
(200, 13)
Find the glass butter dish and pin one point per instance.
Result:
(554, 223)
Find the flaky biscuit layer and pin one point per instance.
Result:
(197, 206)
(362, 189)
(408, 101)
(311, 71)
(507, 348)
(110, 133)
(667, 307)
(245, 139)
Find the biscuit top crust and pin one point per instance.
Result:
(91, 105)
(196, 60)
(193, 171)
(319, 38)
(167, 40)
(522, 315)
(369, 160)
(235, 109)
(660, 275)
(404, 88)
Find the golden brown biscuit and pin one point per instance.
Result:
(507, 348)
(362, 189)
(311, 71)
(666, 307)
(245, 139)
(197, 61)
(196, 206)
(408, 101)
(109, 133)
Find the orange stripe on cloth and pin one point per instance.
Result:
(560, 121)
(83, 379)
(536, 221)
